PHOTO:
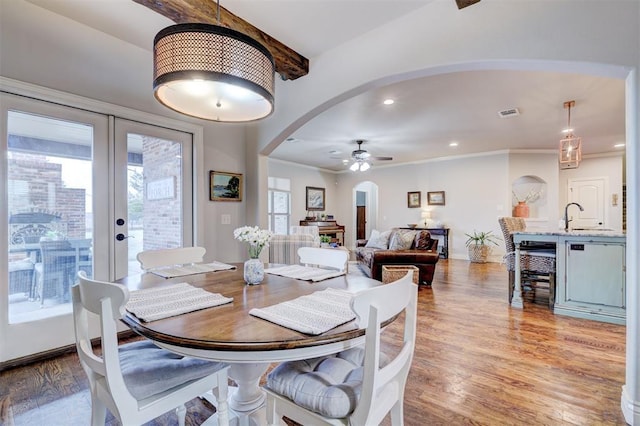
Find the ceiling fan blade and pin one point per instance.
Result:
(464, 3)
(381, 158)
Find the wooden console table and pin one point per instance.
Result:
(444, 232)
(327, 227)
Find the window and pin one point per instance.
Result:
(279, 208)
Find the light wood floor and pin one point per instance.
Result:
(477, 361)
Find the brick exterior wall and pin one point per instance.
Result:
(43, 190)
(162, 219)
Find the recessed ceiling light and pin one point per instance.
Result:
(453, 144)
(345, 161)
(335, 152)
(388, 101)
(619, 145)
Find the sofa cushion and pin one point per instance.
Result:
(402, 239)
(423, 240)
(378, 239)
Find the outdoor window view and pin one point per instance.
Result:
(50, 206)
(49, 203)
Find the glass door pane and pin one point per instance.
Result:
(155, 213)
(50, 213)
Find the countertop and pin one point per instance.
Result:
(575, 233)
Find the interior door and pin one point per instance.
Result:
(361, 222)
(52, 218)
(153, 192)
(590, 194)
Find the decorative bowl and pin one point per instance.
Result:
(412, 225)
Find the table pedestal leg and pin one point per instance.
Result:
(248, 396)
(246, 401)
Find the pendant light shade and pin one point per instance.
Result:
(570, 148)
(212, 72)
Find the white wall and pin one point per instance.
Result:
(544, 212)
(301, 177)
(224, 151)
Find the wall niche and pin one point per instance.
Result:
(529, 197)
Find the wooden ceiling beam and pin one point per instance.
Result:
(289, 64)
(464, 3)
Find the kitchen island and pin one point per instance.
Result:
(590, 273)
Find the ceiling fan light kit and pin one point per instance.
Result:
(570, 148)
(212, 72)
(361, 158)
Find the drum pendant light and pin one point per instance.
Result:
(212, 72)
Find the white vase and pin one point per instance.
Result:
(253, 271)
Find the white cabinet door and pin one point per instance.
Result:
(595, 274)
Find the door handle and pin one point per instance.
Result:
(121, 237)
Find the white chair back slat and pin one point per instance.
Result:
(152, 259)
(324, 257)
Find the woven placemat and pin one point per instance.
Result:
(196, 268)
(306, 273)
(163, 302)
(312, 314)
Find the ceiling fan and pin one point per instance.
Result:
(361, 158)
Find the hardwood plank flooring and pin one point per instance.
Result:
(477, 362)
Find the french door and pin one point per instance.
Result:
(84, 191)
(154, 190)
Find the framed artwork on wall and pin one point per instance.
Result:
(435, 198)
(315, 199)
(225, 186)
(413, 199)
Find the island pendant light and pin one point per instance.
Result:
(570, 149)
(212, 72)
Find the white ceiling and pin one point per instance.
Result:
(428, 114)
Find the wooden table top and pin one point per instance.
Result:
(230, 327)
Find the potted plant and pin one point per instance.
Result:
(325, 240)
(479, 247)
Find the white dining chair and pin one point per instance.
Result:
(137, 381)
(151, 259)
(324, 390)
(324, 257)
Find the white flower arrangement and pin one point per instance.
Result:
(532, 196)
(256, 237)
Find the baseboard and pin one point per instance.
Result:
(630, 408)
(42, 356)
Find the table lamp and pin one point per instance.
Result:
(426, 215)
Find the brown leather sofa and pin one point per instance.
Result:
(423, 253)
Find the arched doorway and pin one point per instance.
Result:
(365, 209)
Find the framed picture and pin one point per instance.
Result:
(413, 200)
(435, 198)
(225, 186)
(315, 198)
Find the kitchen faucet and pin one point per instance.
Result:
(566, 215)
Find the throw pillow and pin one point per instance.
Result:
(402, 239)
(422, 240)
(379, 240)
